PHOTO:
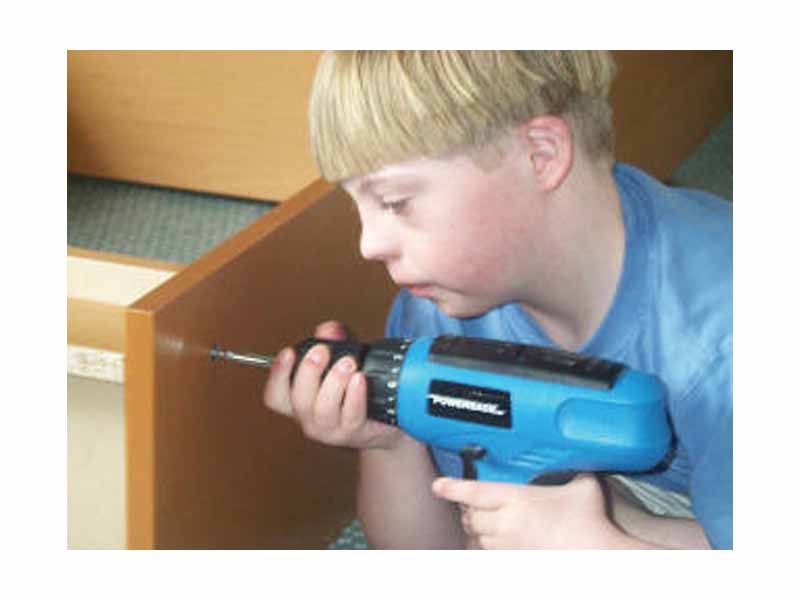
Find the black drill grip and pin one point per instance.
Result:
(338, 349)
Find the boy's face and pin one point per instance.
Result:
(467, 239)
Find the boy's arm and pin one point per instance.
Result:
(396, 504)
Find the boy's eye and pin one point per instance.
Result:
(395, 206)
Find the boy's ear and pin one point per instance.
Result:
(550, 147)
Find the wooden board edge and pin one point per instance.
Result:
(96, 323)
(140, 437)
(125, 259)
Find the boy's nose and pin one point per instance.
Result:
(376, 244)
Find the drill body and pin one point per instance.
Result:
(514, 412)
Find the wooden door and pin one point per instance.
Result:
(208, 465)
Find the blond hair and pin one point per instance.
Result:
(373, 108)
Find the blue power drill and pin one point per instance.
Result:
(514, 413)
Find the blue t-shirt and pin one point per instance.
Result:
(671, 316)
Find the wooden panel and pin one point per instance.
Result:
(666, 102)
(208, 465)
(224, 122)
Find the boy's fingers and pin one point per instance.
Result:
(354, 408)
(328, 406)
(307, 381)
(330, 330)
(277, 389)
(475, 494)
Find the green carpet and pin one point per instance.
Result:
(351, 538)
(152, 222)
(710, 166)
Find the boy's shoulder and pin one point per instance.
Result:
(679, 211)
(688, 239)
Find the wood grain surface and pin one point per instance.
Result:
(208, 465)
(227, 122)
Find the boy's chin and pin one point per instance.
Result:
(461, 310)
(451, 303)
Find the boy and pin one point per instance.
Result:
(485, 182)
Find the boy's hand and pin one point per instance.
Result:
(507, 516)
(334, 410)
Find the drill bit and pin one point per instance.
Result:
(256, 360)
